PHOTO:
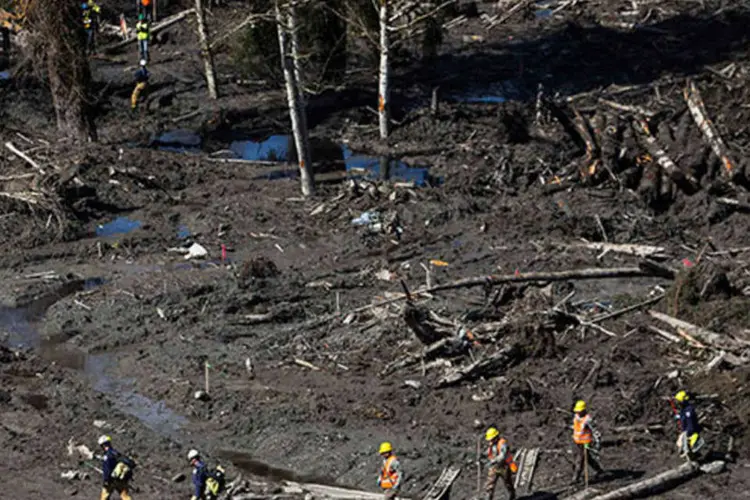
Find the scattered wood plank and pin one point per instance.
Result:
(335, 492)
(525, 475)
(166, 23)
(736, 204)
(666, 335)
(636, 110)
(626, 248)
(698, 110)
(707, 336)
(442, 486)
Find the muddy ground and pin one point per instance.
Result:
(116, 329)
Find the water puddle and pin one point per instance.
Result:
(121, 225)
(543, 13)
(383, 168)
(495, 94)
(178, 141)
(275, 148)
(183, 232)
(5, 75)
(18, 323)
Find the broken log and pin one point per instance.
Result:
(698, 110)
(626, 310)
(685, 181)
(707, 336)
(24, 157)
(736, 204)
(166, 23)
(576, 274)
(665, 480)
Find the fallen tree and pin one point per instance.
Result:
(166, 23)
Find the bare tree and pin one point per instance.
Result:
(384, 72)
(208, 59)
(58, 47)
(286, 25)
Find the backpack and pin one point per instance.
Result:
(124, 468)
(216, 480)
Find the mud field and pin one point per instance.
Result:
(315, 356)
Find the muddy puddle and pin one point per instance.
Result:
(19, 324)
(120, 225)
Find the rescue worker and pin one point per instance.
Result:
(141, 81)
(501, 464)
(144, 7)
(143, 30)
(206, 485)
(690, 440)
(391, 476)
(90, 24)
(584, 435)
(117, 471)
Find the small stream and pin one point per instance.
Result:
(20, 325)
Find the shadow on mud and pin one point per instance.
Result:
(577, 58)
(247, 463)
(19, 322)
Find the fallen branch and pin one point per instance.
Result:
(736, 204)
(686, 181)
(518, 6)
(707, 336)
(472, 370)
(626, 248)
(636, 110)
(219, 41)
(166, 23)
(614, 314)
(698, 110)
(23, 156)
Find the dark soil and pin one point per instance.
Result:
(119, 328)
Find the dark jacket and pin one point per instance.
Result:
(689, 420)
(111, 457)
(142, 75)
(200, 475)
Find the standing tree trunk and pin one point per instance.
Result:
(58, 46)
(384, 74)
(294, 36)
(296, 106)
(208, 59)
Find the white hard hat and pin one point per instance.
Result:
(143, 62)
(104, 440)
(192, 454)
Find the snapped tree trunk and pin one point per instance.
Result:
(208, 59)
(286, 22)
(60, 42)
(384, 73)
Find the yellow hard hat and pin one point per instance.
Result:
(385, 448)
(580, 406)
(681, 396)
(491, 434)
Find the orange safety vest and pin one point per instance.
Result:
(581, 430)
(388, 477)
(494, 450)
(145, 3)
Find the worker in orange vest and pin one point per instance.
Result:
(584, 436)
(501, 464)
(391, 475)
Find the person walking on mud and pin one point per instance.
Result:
(501, 464)
(143, 31)
(117, 471)
(391, 477)
(207, 483)
(90, 17)
(690, 441)
(141, 82)
(584, 435)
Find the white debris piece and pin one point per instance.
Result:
(196, 251)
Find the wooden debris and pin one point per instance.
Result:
(636, 110)
(683, 180)
(442, 486)
(169, 21)
(736, 204)
(701, 334)
(698, 110)
(481, 366)
(306, 364)
(494, 20)
(24, 157)
(661, 482)
(620, 312)
(526, 469)
(626, 248)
